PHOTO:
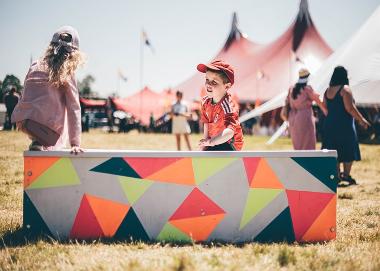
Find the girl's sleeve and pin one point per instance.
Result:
(73, 113)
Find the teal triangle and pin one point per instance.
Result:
(170, 233)
(61, 173)
(279, 230)
(116, 166)
(257, 199)
(134, 188)
(33, 224)
(322, 168)
(131, 228)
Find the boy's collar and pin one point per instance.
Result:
(221, 99)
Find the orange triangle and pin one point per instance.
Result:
(109, 214)
(198, 228)
(180, 172)
(34, 167)
(265, 177)
(324, 227)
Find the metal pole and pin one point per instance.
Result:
(141, 69)
(118, 83)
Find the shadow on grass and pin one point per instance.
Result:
(20, 238)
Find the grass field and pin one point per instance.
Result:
(357, 246)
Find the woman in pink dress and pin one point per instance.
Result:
(301, 119)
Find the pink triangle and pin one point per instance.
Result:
(196, 204)
(250, 165)
(86, 226)
(147, 166)
(305, 208)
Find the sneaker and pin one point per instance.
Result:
(35, 146)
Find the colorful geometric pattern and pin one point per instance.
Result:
(197, 216)
(48, 177)
(98, 217)
(234, 199)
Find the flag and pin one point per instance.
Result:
(146, 40)
(121, 75)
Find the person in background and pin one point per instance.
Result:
(180, 126)
(51, 96)
(248, 124)
(151, 123)
(10, 101)
(301, 119)
(339, 131)
(110, 118)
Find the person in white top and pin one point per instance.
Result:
(180, 113)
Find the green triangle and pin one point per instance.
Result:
(134, 188)
(61, 173)
(257, 199)
(205, 167)
(171, 233)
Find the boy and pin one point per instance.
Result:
(222, 130)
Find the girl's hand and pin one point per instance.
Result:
(76, 149)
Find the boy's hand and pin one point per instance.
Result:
(201, 144)
(205, 142)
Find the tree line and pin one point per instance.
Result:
(10, 80)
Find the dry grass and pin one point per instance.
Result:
(357, 246)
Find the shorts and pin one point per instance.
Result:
(221, 147)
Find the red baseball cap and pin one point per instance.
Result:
(218, 65)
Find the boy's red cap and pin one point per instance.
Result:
(218, 65)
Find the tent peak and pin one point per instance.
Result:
(303, 12)
(302, 24)
(235, 33)
(304, 5)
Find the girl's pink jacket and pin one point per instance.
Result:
(49, 105)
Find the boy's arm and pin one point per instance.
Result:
(205, 130)
(221, 138)
(230, 124)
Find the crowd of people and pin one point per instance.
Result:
(49, 108)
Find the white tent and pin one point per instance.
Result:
(360, 55)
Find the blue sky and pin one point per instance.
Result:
(183, 33)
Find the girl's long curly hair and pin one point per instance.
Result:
(61, 66)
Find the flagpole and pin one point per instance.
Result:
(141, 61)
(118, 84)
(141, 68)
